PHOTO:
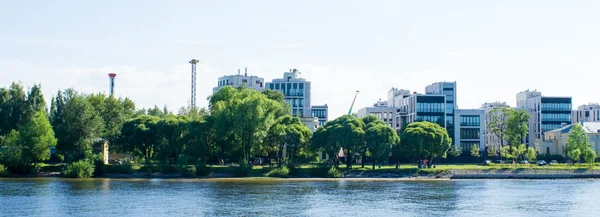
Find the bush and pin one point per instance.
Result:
(3, 171)
(80, 169)
(334, 173)
(320, 170)
(52, 168)
(99, 167)
(243, 170)
(294, 171)
(118, 169)
(150, 169)
(188, 171)
(166, 169)
(203, 170)
(279, 172)
(56, 158)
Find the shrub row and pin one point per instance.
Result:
(3, 171)
(80, 169)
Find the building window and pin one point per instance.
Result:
(430, 107)
(277, 86)
(433, 119)
(470, 133)
(469, 120)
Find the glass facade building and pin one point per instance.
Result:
(448, 89)
(431, 108)
(555, 111)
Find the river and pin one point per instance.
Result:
(158, 197)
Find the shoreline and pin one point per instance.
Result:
(320, 179)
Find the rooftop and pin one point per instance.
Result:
(588, 127)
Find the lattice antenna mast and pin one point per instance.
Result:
(193, 98)
(111, 77)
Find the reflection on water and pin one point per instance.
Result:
(155, 197)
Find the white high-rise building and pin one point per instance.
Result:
(587, 113)
(252, 82)
(469, 128)
(395, 96)
(296, 91)
(382, 111)
(547, 113)
(321, 112)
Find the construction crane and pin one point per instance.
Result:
(350, 111)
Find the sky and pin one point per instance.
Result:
(492, 49)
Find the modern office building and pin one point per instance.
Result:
(395, 96)
(448, 89)
(469, 129)
(555, 140)
(296, 91)
(547, 113)
(321, 112)
(382, 111)
(252, 82)
(491, 139)
(420, 107)
(587, 113)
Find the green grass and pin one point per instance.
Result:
(312, 170)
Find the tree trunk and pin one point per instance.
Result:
(349, 161)
(373, 164)
(362, 161)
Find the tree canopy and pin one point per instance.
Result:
(425, 140)
(578, 143)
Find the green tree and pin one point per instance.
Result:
(156, 112)
(491, 151)
(577, 143)
(297, 141)
(506, 152)
(350, 134)
(201, 141)
(425, 140)
(79, 127)
(140, 135)
(37, 137)
(14, 108)
(365, 150)
(12, 150)
(475, 151)
(590, 156)
(531, 154)
(172, 131)
(35, 99)
(114, 113)
(498, 122)
(380, 139)
(517, 126)
(288, 133)
(222, 106)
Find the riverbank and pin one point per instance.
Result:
(442, 172)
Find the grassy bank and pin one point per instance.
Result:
(312, 171)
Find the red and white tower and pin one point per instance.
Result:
(112, 76)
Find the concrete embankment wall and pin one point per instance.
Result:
(525, 174)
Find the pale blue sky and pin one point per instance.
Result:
(493, 49)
